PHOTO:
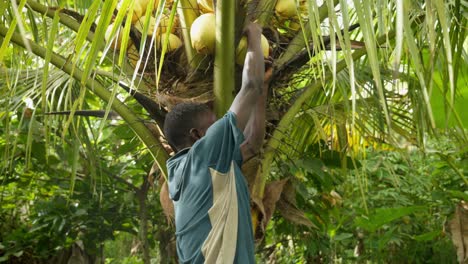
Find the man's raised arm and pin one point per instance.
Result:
(254, 131)
(252, 78)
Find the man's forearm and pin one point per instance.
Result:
(255, 130)
(252, 78)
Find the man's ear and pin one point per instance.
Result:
(210, 105)
(195, 134)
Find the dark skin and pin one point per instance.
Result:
(249, 105)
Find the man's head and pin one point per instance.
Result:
(186, 123)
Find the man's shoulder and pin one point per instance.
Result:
(177, 158)
(226, 123)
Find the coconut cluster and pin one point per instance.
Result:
(203, 35)
(289, 12)
(155, 28)
(202, 31)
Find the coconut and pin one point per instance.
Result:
(141, 24)
(241, 50)
(162, 27)
(174, 42)
(133, 55)
(206, 6)
(117, 39)
(139, 9)
(137, 12)
(203, 34)
(164, 24)
(286, 8)
(144, 4)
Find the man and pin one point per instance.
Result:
(210, 194)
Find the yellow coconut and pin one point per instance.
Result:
(164, 24)
(202, 34)
(206, 6)
(133, 55)
(139, 9)
(141, 24)
(174, 42)
(117, 38)
(144, 4)
(162, 27)
(138, 12)
(241, 50)
(286, 8)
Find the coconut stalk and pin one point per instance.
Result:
(188, 12)
(263, 171)
(224, 56)
(154, 146)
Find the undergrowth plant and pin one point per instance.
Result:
(393, 208)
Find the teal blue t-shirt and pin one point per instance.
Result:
(211, 198)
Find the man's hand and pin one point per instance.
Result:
(253, 32)
(268, 74)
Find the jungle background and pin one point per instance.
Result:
(365, 158)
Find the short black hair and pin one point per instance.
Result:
(180, 120)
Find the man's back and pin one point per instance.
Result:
(210, 194)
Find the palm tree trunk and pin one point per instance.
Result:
(224, 56)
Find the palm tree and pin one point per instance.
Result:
(348, 73)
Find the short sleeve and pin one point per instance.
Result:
(221, 144)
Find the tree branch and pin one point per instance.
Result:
(65, 18)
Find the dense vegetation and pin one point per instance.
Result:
(366, 157)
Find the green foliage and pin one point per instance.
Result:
(393, 208)
(42, 214)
